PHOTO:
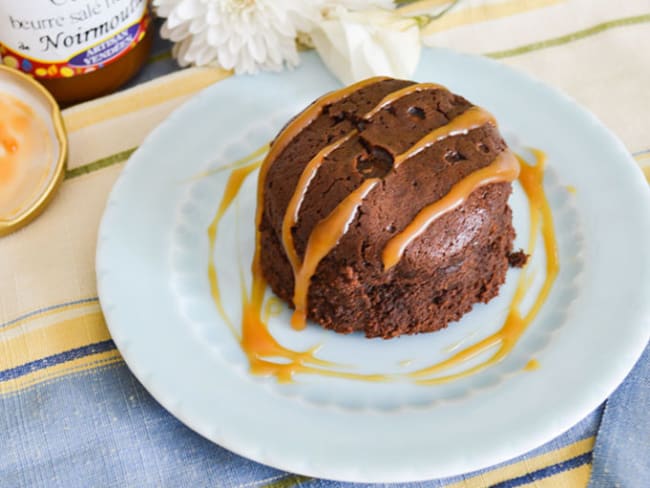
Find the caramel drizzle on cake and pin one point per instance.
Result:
(261, 347)
(402, 92)
(504, 168)
(296, 125)
(472, 118)
(256, 340)
(291, 130)
(293, 209)
(505, 339)
(323, 238)
(328, 231)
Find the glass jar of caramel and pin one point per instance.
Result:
(78, 49)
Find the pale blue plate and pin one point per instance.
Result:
(152, 260)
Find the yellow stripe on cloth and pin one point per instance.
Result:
(58, 341)
(485, 12)
(537, 463)
(163, 89)
(573, 478)
(553, 469)
(49, 315)
(49, 340)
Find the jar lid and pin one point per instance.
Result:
(33, 149)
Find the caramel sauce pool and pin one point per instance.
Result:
(265, 354)
(268, 357)
(504, 340)
(261, 348)
(26, 152)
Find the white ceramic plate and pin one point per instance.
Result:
(153, 286)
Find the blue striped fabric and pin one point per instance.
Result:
(540, 474)
(622, 451)
(114, 434)
(49, 361)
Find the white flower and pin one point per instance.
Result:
(355, 38)
(359, 4)
(358, 45)
(244, 35)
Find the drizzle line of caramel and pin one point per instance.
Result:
(311, 113)
(233, 186)
(256, 341)
(402, 92)
(252, 158)
(323, 238)
(291, 130)
(298, 124)
(293, 209)
(261, 347)
(267, 357)
(531, 178)
(505, 167)
(472, 118)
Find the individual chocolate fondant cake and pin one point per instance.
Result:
(383, 208)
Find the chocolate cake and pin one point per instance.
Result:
(383, 208)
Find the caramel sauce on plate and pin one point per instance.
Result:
(268, 357)
(504, 340)
(235, 181)
(531, 365)
(265, 354)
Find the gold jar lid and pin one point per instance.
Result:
(33, 149)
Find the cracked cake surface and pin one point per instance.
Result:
(347, 182)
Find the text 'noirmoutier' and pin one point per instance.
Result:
(62, 39)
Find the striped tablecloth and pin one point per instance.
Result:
(71, 414)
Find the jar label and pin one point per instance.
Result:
(63, 38)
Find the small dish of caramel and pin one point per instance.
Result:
(33, 149)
